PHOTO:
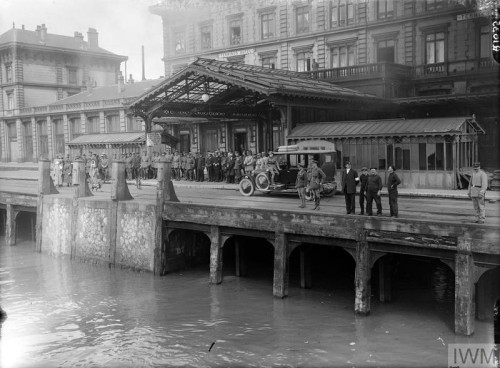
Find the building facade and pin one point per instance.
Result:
(38, 68)
(429, 58)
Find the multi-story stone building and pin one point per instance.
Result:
(38, 68)
(425, 59)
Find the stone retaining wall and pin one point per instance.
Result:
(95, 236)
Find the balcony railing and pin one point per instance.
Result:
(398, 71)
(362, 71)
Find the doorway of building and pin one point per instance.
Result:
(184, 143)
(240, 142)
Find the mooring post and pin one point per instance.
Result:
(119, 187)
(10, 229)
(165, 181)
(80, 180)
(464, 288)
(280, 280)
(45, 182)
(215, 255)
(362, 275)
(305, 267)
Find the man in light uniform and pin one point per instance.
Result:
(477, 190)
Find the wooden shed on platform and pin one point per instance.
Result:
(427, 153)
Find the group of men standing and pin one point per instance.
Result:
(370, 189)
(217, 166)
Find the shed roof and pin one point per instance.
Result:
(377, 128)
(109, 138)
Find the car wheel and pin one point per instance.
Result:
(262, 181)
(247, 187)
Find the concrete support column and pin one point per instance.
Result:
(280, 280)
(464, 288)
(10, 228)
(215, 255)
(362, 276)
(161, 236)
(119, 187)
(305, 267)
(79, 180)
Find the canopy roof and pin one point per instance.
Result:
(211, 88)
(109, 138)
(384, 128)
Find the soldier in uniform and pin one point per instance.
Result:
(301, 183)
(317, 178)
(209, 164)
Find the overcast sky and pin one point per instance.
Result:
(123, 26)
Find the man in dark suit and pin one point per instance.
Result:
(350, 179)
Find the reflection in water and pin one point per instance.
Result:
(70, 314)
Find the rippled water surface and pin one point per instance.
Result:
(64, 313)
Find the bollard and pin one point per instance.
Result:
(80, 180)
(119, 187)
(165, 186)
(45, 182)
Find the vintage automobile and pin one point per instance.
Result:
(288, 157)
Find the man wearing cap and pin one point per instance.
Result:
(477, 189)
(373, 190)
(317, 178)
(301, 183)
(363, 180)
(350, 179)
(392, 187)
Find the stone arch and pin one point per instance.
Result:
(487, 290)
(185, 248)
(25, 222)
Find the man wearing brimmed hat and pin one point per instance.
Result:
(477, 189)
(350, 180)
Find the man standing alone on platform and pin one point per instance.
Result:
(349, 181)
(477, 189)
(373, 190)
(363, 180)
(392, 187)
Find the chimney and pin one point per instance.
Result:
(93, 39)
(121, 85)
(78, 37)
(43, 33)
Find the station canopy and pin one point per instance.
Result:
(224, 90)
(387, 128)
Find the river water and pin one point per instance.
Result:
(64, 313)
